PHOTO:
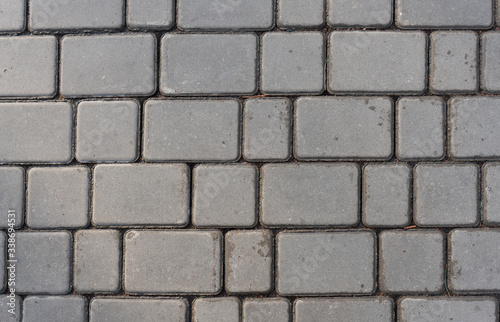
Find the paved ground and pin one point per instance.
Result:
(232, 160)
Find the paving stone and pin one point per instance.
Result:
(11, 197)
(473, 261)
(4, 273)
(293, 63)
(225, 309)
(266, 309)
(330, 128)
(28, 66)
(97, 271)
(473, 128)
(107, 131)
(138, 309)
(359, 13)
(58, 197)
(10, 308)
(307, 263)
(191, 260)
(55, 308)
(490, 59)
(267, 129)
(456, 309)
(249, 261)
(491, 194)
(208, 64)
(108, 65)
(301, 13)
(445, 14)
(377, 62)
(191, 130)
(43, 262)
(453, 62)
(420, 128)
(411, 261)
(141, 195)
(225, 195)
(225, 14)
(446, 194)
(376, 309)
(386, 195)
(69, 15)
(12, 16)
(150, 14)
(309, 195)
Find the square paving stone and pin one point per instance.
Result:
(225, 195)
(446, 194)
(412, 261)
(70, 308)
(491, 194)
(12, 16)
(308, 263)
(177, 262)
(107, 131)
(141, 195)
(225, 309)
(292, 63)
(377, 62)
(490, 60)
(301, 13)
(309, 195)
(360, 13)
(474, 261)
(150, 14)
(43, 262)
(191, 130)
(266, 309)
(11, 197)
(10, 308)
(208, 64)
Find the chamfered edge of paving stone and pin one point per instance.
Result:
(484, 200)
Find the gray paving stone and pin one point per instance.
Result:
(108, 65)
(150, 14)
(473, 261)
(225, 14)
(375, 309)
(191, 130)
(377, 62)
(4, 273)
(300, 13)
(490, 59)
(249, 261)
(141, 195)
(190, 259)
(225, 309)
(386, 195)
(446, 194)
(456, 309)
(43, 262)
(454, 62)
(11, 197)
(138, 309)
(307, 263)
(360, 13)
(267, 129)
(330, 128)
(266, 309)
(473, 128)
(12, 16)
(10, 310)
(208, 64)
(292, 63)
(225, 195)
(58, 197)
(28, 66)
(309, 195)
(412, 261)
(420, 128)
(107, 131)
(445, 14)
(69, 15)
(97, 271)
(70, 308)
(491, 194)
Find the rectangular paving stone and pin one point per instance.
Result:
(177, 262)
(266, 309)
(108, 65)
(12, 15)
(26, 138)
(150, 14)
(330, 128)
(444, 14)
(5, 274)
(225, 309)
(309, 195)
(55, 308)
(375, 309)
(377, 62)
(97, 271)
(11, 197)
(490, 194)
(28, 66)
(360, 13)
(208, 64)
(191, 130)
(11, 307)
(490, 58)
(308, 263)
(141, 195)
(300, 13)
